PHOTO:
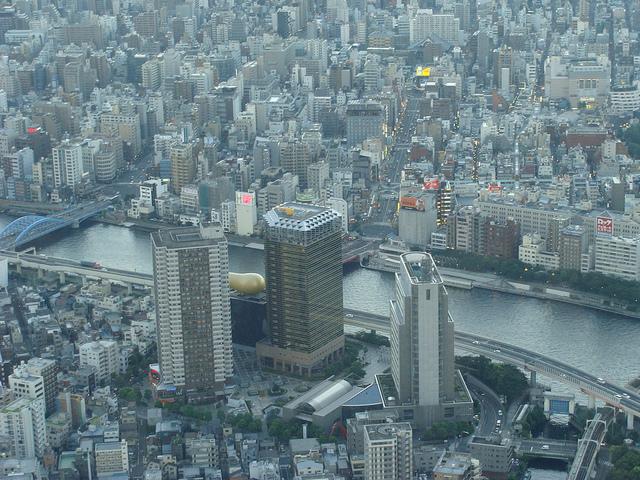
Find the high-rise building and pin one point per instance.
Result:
(295, 157)
(246, 213)
(573, 244)
(183, 166)
(67, 164)
(22, 421)
(388, 451)
(191, 270)
(303, 260)
(364, 120)
(47, 369)
(422, 358)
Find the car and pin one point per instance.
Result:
(497, 350)
(626, 395)
(618, 396)
(349, 315)
(499, 413)
(545, 447)
(601, 381)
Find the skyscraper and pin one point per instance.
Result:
(303, 260)
(422, 356)
(191, 270)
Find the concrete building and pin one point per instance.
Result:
(22, 422)
(494, 454)
(573, 245)
(532, 252)
(203, 451)
(578, 80)
(36, 380)
(303, 260)
(246, 213)
(111, 457)
(183, 166)
(417, 219)
(127, 127)
(422, 358)
(67, 164)
(103, 355)
(618, 256)
(426, 24)
(501, 238)
(364, 120)
(457, 466)
(388, 451)
(193, 313)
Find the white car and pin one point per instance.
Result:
(349, 315)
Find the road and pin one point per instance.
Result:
(380, 223)
(548, 448)
(490, 406)
(617, 396)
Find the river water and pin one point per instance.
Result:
(601, 343)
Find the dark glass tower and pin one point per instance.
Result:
(303, 255)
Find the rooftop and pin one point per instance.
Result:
(421, 268)
(299, 216)
(188, 237)
(384, 431)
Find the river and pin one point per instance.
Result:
(601, 343)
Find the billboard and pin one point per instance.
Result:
(604, 225)
(433, 184)
(495, 187)
(423, 71)
(412, 203)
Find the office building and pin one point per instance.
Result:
(193, 315)
(422, 358)
(303, 260)
(495, 455)
(127, 127)
(417, 219)
(573, 245)
(501, 238)
(364, 120)
(246, 211)
(388, 451)
(426, 24)
(103, 355)
(22, 422)
(618, 256)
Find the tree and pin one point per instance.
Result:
(626, 464)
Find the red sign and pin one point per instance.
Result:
(494, 187)
(604, 225)
(32, 130)
(432, 184)
(247, 199)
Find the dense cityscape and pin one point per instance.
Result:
(319, 240)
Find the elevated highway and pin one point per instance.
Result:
(597, 389)
(619, 397)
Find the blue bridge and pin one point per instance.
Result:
(29, 228)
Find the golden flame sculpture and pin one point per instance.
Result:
(247, 283)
